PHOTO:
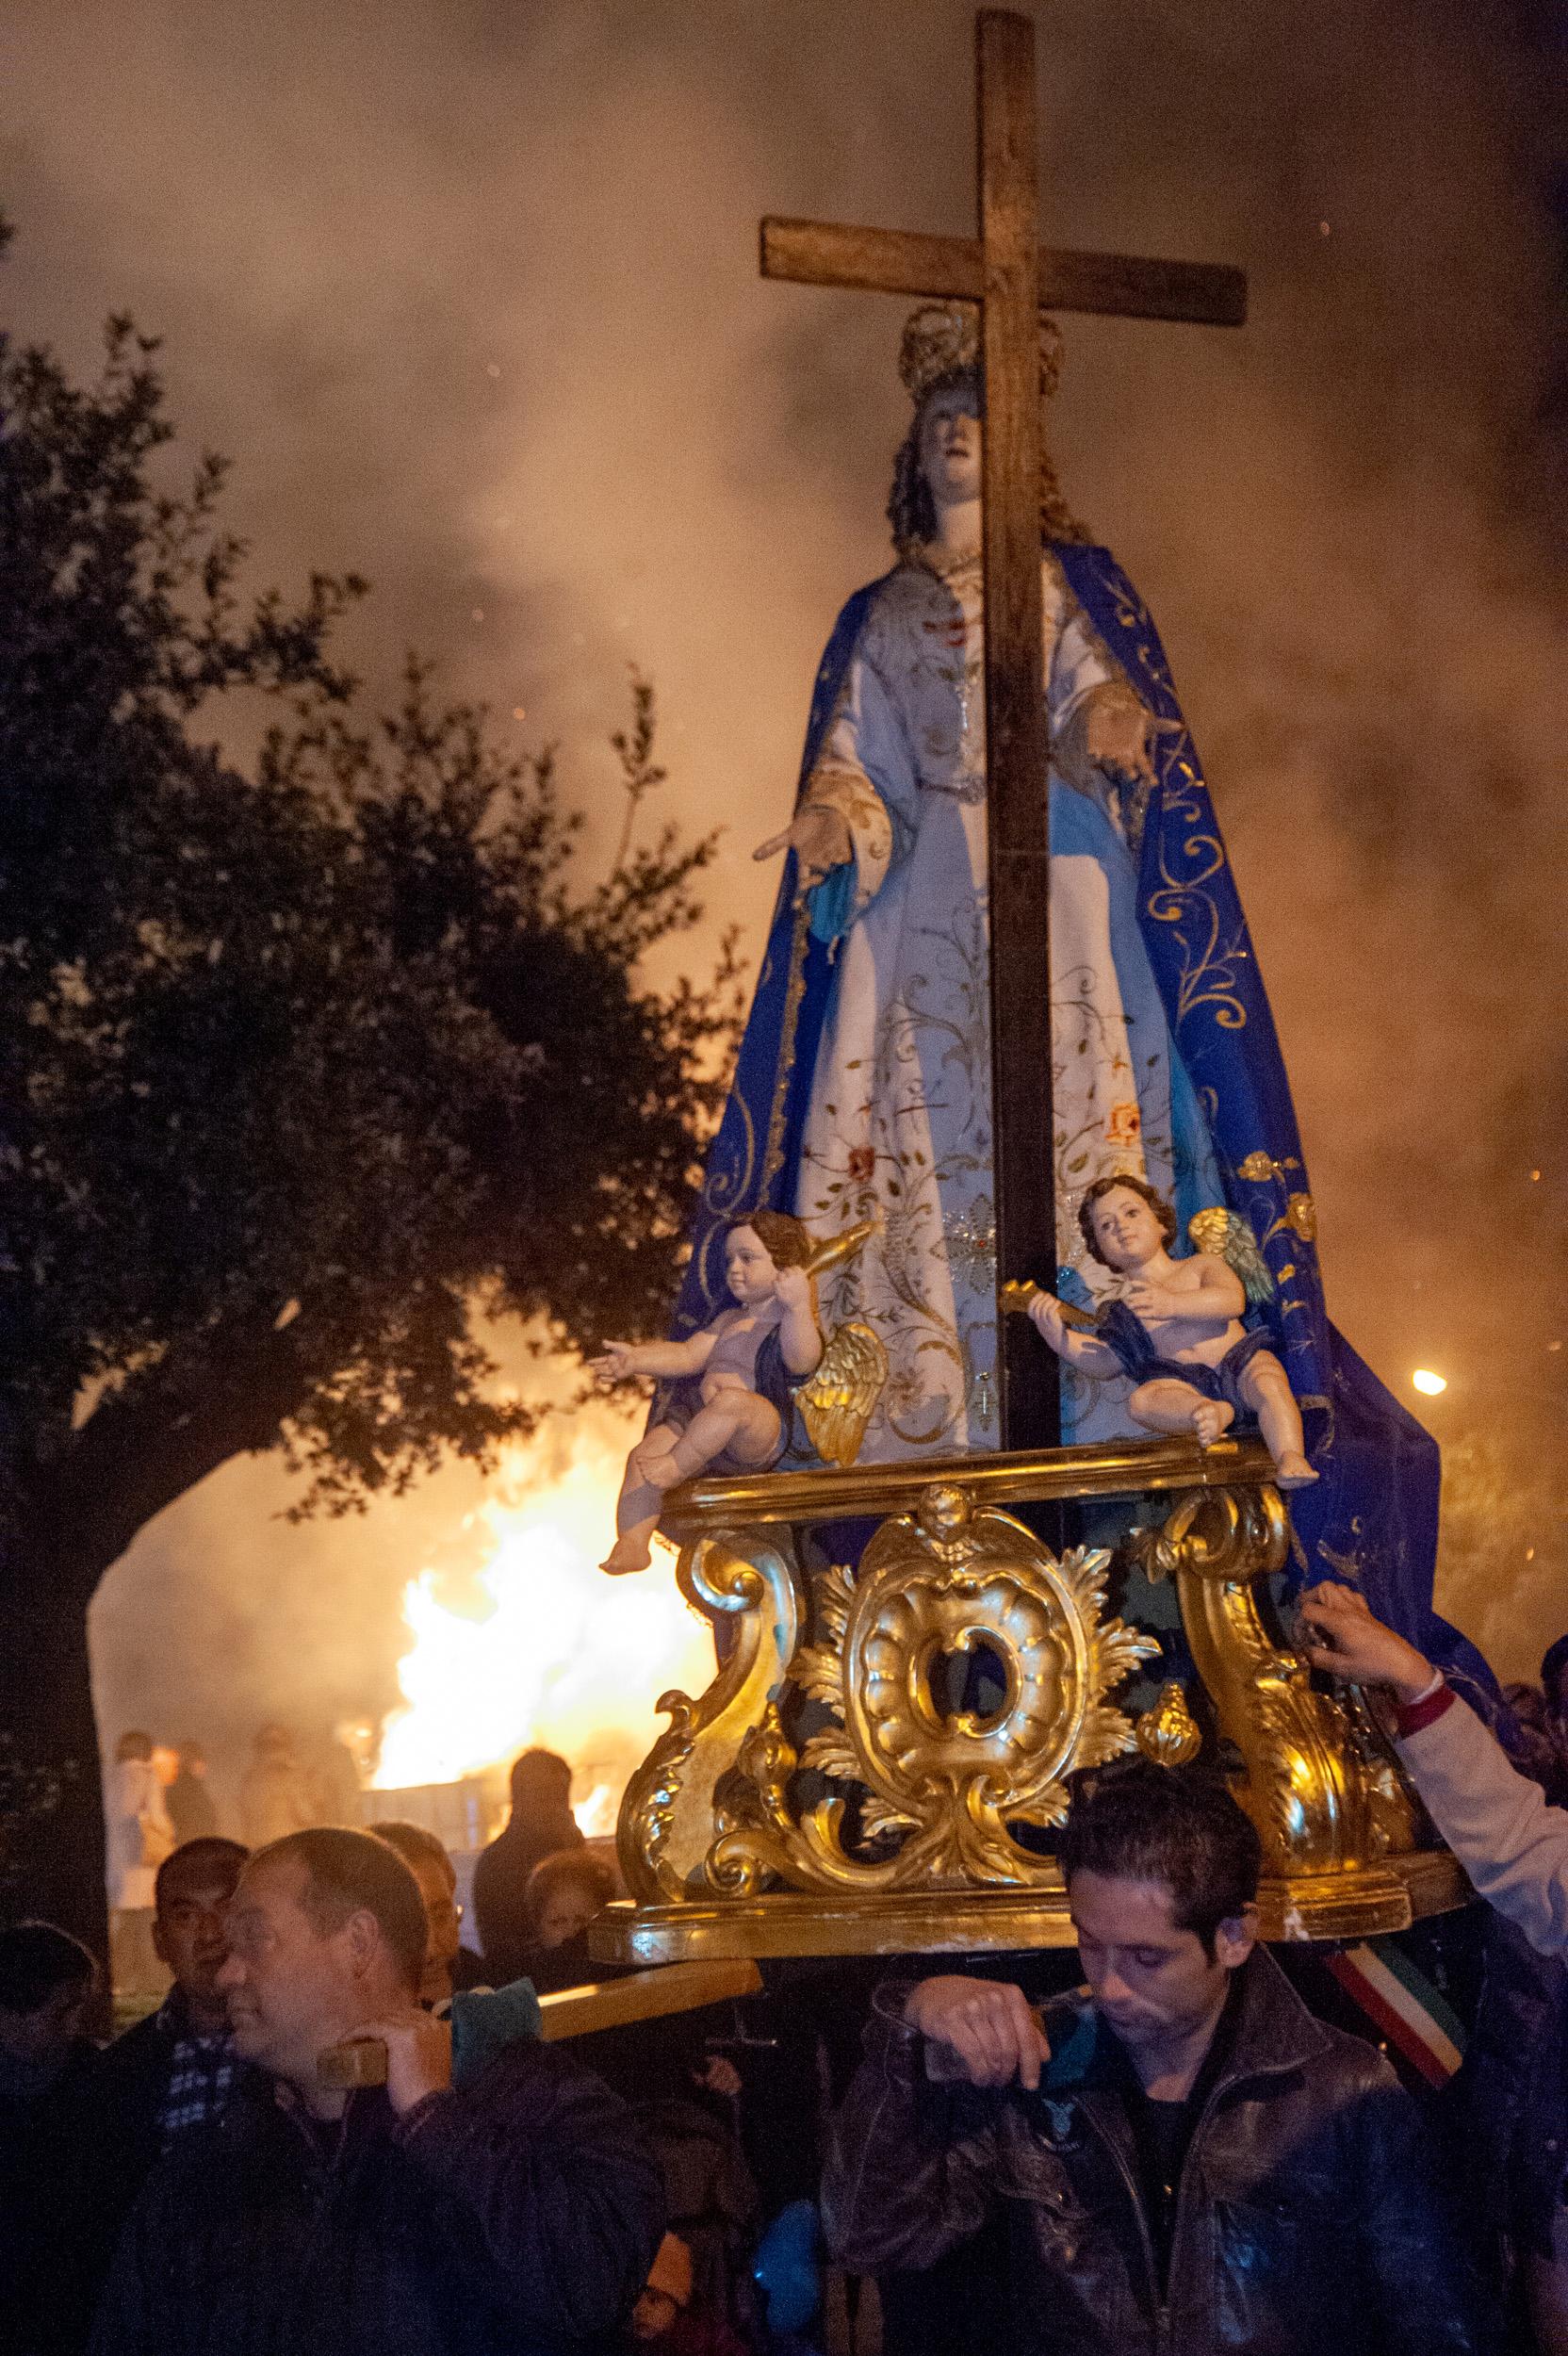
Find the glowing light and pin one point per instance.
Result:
(1427, 1382)
(519, 712)
(538, 1646)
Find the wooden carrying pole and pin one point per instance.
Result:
(645, 1996)
(576, 2011)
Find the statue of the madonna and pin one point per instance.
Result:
(862, 1087)
(890, 837)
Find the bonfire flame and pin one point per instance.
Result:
(536, 1644)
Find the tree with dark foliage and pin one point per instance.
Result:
(303, 1069)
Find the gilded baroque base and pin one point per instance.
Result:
(825, 1796)
(1363, 1905)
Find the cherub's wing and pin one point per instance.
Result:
(1228, 1237)
(838, 1400)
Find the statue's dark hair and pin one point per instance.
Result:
(1174, 1826)
(912, 511)
(786, 1238)
(1157, 1202)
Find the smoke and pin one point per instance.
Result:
(470, 292)
(222, 1616)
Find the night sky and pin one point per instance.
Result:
(470, 294)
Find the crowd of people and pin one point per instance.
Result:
(342, 2127)
(158, 1796)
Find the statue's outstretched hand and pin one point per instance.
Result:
(819, 838)
(1340, 1636)
(615, 1361)
(1117, 733)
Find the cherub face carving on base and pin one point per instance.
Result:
(1177, 1330)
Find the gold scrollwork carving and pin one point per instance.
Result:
(667, 1816)
(728, 1850)
(948, 1784)
(1317, 1779)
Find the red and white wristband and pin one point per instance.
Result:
(1428, 1706)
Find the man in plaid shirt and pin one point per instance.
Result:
(176, 2069)
(200, 2069)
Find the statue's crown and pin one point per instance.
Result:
(942, 339)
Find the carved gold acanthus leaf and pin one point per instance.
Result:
(833, 1755)
(835, 1597)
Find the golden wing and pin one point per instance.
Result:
(1228, 1237)
(838, 1400)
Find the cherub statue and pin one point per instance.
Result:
(1177, 1330)
(731, 1386)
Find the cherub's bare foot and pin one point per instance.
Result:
(1294, 1472)
(630, 1552)
(661, 1472)
(1214, 1417)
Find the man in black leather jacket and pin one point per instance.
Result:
(1182, 2159)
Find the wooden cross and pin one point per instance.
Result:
(1012, 277)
